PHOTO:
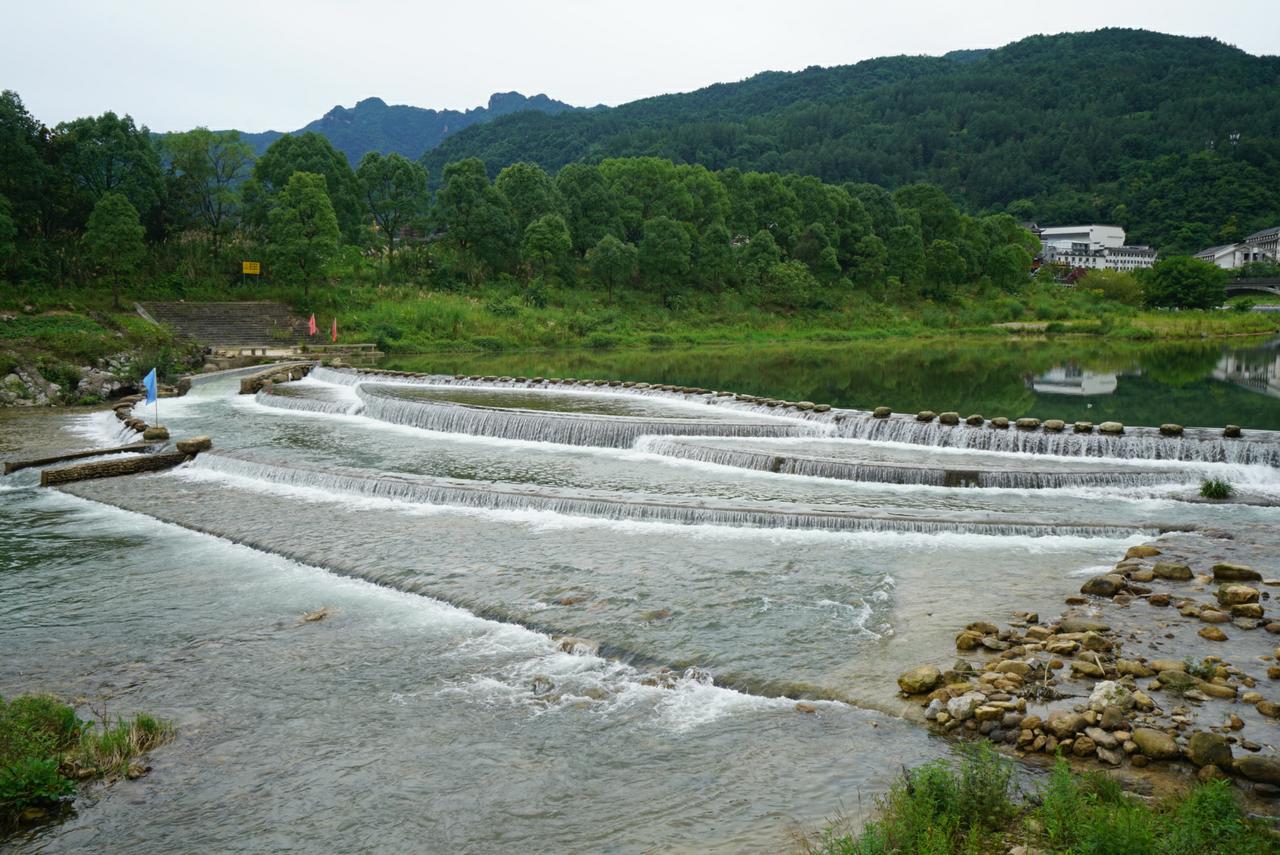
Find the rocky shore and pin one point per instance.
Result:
(1169, 664)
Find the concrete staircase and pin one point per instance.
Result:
(233, 327)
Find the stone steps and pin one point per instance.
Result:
(232, 325)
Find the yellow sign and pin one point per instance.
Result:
(251, 268)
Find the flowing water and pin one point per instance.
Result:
(564, 618)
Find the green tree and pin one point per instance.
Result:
(394, 189)
(939, 217)
(546, 245)
(789, 284)
(313, 153)
(591, 209)
(109, 154)
(713, 262)
(206, 170)
(1115, 285)
(612, 262)
(906, 255)
(758, 255)
(1182, 282)
(24, 173)
(8, 234)
(304, 230)
(529, 192)
(870, 261)
(113, 239)
(664, 253)
(476, 216)
(814, 249)
(944, 269)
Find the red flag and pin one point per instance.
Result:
(311, 328)
(334, 332)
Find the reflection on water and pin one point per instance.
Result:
(1193, 383)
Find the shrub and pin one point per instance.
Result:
(1216, 488)
(488, 342)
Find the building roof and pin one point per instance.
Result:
(1214, 250)
(1264, 233)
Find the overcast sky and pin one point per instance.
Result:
(278, 64)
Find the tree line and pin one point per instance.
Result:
(102, 199)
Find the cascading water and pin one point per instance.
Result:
(502, 496)
(307, 404)
(788, 463)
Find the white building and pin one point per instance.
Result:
(1093, 247)
(1230, 256)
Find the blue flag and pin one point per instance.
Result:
(149, 383)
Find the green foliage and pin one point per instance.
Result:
(664, 252)
(113, 239)
(1182, 282)
(394, 190)
(546, 245)
(206, 170)
(304, 230)
(1216, 488)
(311, 153)
(1115, 285)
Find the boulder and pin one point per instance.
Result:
(1171, 429)
(1209, 749)
(1234, 594)
(983, 627)
(919, 680)
(1212, 633)
(1111, 428)
(1247, 610)
(1177, 680)
(1079, 624)
(1173, 571)
(1155, 744)
(1027, 423)
(1000, 423)
(968, 640)
(1109, 693)
(926, 416)
(949, 418)
(155, 433)
(195, 444)
(1103, 586)
(1083, 427)
(1055, 425)
(1257, 767)
(1064, 723)
(882, 412)
(974, 420)
(1141, 551)
(1268, 708)
(962, 708)
(1235, 573)
(1232, 432)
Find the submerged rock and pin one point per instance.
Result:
(1173, 571)
(1224, 572)
(1103, 586)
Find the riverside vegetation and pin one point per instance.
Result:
(45, 749)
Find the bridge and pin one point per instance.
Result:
(1261, 285)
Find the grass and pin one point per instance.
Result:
(939, 809)
(1216, 488)
(45, 748)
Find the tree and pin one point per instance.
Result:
(476, 216)
(944, 269)
(906, 254)
(664, 253)
(113, 239)
(1182, 282)
(591, 210)
(303, 228)
(8, 234)
(529, 193)
(394, 189)
(814, 249)
(206, 171)
(760, 253)
(313, 153)
(789, 284)
(546, 245)
(24, 174)
(109, 154)
(713, 262)
(1115, 285)
(612, 262)
(870, 260)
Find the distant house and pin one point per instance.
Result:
(1259, 246)
(1092, 247)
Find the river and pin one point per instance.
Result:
(586, 645)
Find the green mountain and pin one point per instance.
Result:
(374, 125)
(1177, 139)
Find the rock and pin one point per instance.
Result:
(1027, 423)
(962, 708)
(1087, 667)
(1170, 429)
(1083, 747)
(195, 444)
(1055, 425)
(1217, 690)
(974, 420)
(987, 712)
(935, 706)
(926, 416)
(1209, 749)
(1111, 756)
(1256, 767)
(983, 627)
(1012, 666)
(1112, 717)
(1141, 551)
(1212, 633)
(807, 709)
(1233, 594)
(1160, 599)
(1101, 738)
(1079, 624)
(1155, 744)
(1159, 665)
(1110, 693)
(1000, 423)
(1209, 615)
(1247, 610)
(1235, 573)
(1269, 709)
(580, 646)
(155, 433)
(968, 640)
(949, 418)
(1133, 668)
(881, 412)
(1173, 571)
(1232, 432)
(1111, 427)
(1103, 586)
(1211, 773)
(1083, 427)
(1177, 681)
(1063, 723)
(917, 681)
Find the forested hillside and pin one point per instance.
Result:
(374, 125)
(1178, 139)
